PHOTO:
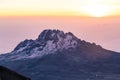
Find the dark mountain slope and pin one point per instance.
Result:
(7, 74)
(56, 55)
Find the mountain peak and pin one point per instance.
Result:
(54, 34)
(57, 55)
(51, 42)
(49, 34)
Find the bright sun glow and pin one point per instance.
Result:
(91, 8)
(96, 10)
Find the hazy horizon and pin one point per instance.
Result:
(102, 31)
(91, 20)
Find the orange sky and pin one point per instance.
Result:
(91, 8)
(103, 31)
(92, 20)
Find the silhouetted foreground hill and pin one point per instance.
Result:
(6, 74)
(56, 55)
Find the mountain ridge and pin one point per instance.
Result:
(49, 41)
(56, 55)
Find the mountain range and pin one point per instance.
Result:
(56, 55)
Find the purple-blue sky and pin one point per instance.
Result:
(103, 31)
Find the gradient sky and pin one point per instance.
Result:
(57, 7)
(103, 31)
(25, 19)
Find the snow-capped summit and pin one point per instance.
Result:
(56, 55)
(51, 35)
(54, 35)
(49, 41)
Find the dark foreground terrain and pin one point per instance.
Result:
(7, 74)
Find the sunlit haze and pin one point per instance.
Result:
(91, 20)
(91, 8)
(102, 31)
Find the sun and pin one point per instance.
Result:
(96, 10)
